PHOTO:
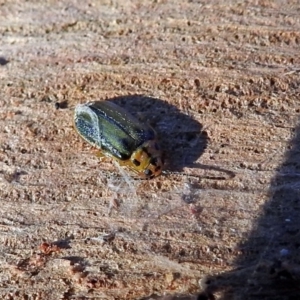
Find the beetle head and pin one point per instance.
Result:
(147, 160)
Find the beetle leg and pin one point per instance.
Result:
(100, 154)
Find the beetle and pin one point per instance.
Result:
(118, 134)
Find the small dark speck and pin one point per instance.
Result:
(3, 61)
(197, 82)
(61, 105)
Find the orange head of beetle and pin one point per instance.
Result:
(147, 160)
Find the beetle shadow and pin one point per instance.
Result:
(182, 139)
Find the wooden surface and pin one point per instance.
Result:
(219, 81)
